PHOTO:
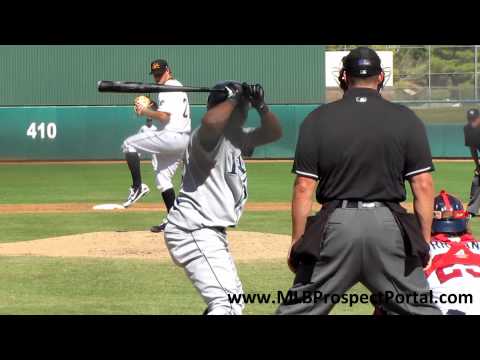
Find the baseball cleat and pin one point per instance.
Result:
(136, 194)
(159, 228)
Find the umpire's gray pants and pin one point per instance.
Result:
(474, 203)
(362, 245)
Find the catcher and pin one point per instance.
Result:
(454, 257)
(167, 143)
(454, 266)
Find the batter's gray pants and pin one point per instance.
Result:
(208, 263)
(474, 203)
(362, 245)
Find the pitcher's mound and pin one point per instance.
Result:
(143, 245)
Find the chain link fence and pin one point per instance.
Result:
(445, 78)
(439, 83)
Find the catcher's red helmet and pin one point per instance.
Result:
(449, 215)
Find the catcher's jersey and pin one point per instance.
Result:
(455, 270)
(214, 184)
(145, 129)
(175, 103)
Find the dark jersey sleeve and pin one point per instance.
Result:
(471, 136)
(306, 153)
(467, 134)
(418, 155)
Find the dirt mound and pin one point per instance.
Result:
(143, 245)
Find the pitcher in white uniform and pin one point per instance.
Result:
(149, 127)
(167, 143)
(214, 192)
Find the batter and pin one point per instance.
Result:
(214, 192)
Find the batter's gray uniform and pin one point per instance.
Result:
(212, 198)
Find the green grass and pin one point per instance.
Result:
(442, 114)
(22, 227)
(41, 285)
(56, 183)
(101, 183)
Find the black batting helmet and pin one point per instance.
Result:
(215, 97)
(360, 62)
(472, 114)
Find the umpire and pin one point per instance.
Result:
(359, 151)
(472, 141)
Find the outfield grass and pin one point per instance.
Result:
(22, 227)
(101, 183)
(442, 114)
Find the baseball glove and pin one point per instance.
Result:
(144, 102)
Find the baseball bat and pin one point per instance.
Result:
(139, 87)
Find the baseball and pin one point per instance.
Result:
(142, 102)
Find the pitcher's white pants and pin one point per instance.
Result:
(167, 148)
(207, 261)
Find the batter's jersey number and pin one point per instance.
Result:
(42, 130)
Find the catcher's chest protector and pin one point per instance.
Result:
(455, 270)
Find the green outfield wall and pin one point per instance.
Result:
(50, 108)
(67, 75)
(97, 132)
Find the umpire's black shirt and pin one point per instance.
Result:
(362, 147)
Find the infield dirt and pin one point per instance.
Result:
(87, 207)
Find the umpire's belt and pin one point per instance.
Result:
(307, 249)
(349, 204)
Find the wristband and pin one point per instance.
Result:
(263, 108)
(233, 100)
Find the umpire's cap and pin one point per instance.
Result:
(215, 97)
(472, 114)
(362, 62)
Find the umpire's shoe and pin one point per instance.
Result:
(159, 228)
(136, 194)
